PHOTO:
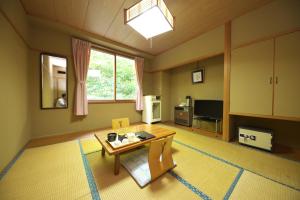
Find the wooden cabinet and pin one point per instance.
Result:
(251, 87)
(287, 75)
(265, 78)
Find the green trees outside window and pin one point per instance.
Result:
(101, 81)
(126, 78)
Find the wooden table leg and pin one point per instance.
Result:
(103, 151)
(117, 164)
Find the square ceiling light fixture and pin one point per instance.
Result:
(149, 18)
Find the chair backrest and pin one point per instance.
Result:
(120, 123)
(160, 156)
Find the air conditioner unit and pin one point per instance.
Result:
(260, 138)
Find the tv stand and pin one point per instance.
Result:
(205, 118)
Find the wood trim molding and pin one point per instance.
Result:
(212, 27)
(85, 14)
(115, 17)
(266, 116)
(226, 95)
(15, 29)
(273, 36)
(115, 77)
(53, 139)
(147, 71)
(209, 28)
(103, 47)
(193, 129)
(23, 6)
(200, 58)
(110, 101)
(50, 52)
(92, 35)
(112, 51)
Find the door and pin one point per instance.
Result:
(287, 76)
(251, 80)
(156, 111)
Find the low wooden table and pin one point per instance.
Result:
(157, 131)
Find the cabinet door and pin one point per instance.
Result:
(251, 84)
(287, 75)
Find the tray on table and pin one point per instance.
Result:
(140, 136)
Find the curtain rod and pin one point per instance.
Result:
(114, 51)
(103, 47)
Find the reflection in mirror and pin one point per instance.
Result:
(53, 81)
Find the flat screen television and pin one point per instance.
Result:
(211, 109)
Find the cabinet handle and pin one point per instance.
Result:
(271, 80)
(276, 80)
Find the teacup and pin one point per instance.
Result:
(125, 141)
(131, 137)
(117, 143)
(111, 137)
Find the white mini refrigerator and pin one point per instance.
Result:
(152, 109)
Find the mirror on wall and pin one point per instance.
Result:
(54, 93)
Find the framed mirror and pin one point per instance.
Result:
(54, 82)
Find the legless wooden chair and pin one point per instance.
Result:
(120, 123)
(160, 157)
(147, 165)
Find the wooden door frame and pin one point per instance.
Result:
(226, 95)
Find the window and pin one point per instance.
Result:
(111, 77)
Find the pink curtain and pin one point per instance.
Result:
(139, 68)
(81, 55)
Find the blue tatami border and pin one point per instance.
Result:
(190, 186)
(235, 181)
(89, 175)
(232, 186)
(234, 165)
(11, 163)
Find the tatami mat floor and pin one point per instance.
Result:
(206, 169)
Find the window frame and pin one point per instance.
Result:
(115, 100)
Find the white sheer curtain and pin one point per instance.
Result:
(81, 56)
(139, 69)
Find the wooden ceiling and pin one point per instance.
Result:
(106, 18)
